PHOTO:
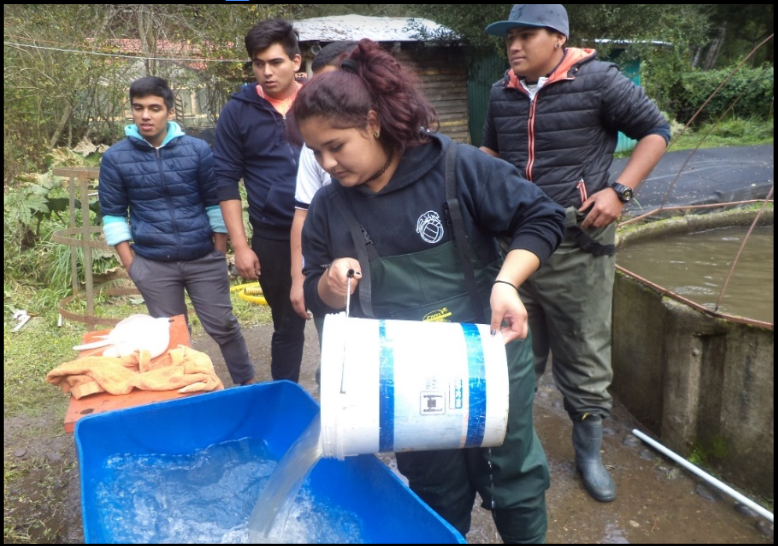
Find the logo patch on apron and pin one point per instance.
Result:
(430, 227)
(439, 315)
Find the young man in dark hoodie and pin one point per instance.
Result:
(256, 142)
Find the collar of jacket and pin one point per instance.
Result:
(173, 131)
(573, 56)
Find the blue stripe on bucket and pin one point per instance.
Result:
(386, 390)
(476, 420)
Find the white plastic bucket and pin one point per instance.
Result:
(397, 385)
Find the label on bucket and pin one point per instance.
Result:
(432, 402)
(395, 385)
(457, 394)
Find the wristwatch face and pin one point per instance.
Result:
(624, 192)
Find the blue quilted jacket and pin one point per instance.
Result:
(166, 190)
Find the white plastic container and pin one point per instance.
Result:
(396, 385)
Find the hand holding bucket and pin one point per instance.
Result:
(396, 385)
(342, 276)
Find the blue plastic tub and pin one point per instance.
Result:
(360, 493)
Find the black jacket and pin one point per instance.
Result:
(257, 144)
(494, 198)
(564, 139)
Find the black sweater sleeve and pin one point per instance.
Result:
(501, 203)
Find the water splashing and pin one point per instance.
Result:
(271, 512)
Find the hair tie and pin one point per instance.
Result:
(349, 65)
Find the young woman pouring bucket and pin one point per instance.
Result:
(417, 219)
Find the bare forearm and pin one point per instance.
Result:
(518, 266)
(232, 211)
(125, 253)
(509, 315)
(644, 158)
(295, 242)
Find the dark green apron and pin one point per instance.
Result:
(428, 286)
(446, 283)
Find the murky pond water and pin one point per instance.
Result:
(696, 266)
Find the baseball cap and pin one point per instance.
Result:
(551, 16)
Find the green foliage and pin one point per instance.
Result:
(467, 21)
(752, 88)
(370, 10)
(23, 211)
(29, 355)
(33, 211)
(744, 26)
(45, 88)
(59, 273)
(35, 198)
(729, 132)
(62, 84)
(678, 24)
(676, 128)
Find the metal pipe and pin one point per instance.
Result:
(705, 476)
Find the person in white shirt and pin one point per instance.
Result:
(310, 178)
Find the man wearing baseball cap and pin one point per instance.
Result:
(556, 115)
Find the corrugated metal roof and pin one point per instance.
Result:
(356, 27)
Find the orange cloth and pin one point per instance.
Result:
(183, 368)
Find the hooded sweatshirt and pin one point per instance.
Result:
(257, 144)
(408, 214)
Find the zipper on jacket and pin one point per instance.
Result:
(171, 209)
(531, 138)
(288, 143)
(530, 130)
(531, 120)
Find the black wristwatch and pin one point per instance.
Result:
(624, 192)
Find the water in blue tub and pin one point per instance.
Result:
(228, 493)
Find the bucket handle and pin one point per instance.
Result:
(349, 275)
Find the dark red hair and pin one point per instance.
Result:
(370, 79)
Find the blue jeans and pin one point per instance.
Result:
(206, 280)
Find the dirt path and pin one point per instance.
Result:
(658, 502)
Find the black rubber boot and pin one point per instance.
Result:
(587, 441)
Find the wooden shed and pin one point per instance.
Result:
(440, 66)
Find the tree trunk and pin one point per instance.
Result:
(715, 48)
(61, 125)
(147, 40)
(697, 57)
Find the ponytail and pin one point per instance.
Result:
(370, 79)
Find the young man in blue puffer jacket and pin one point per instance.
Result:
(165, 179)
